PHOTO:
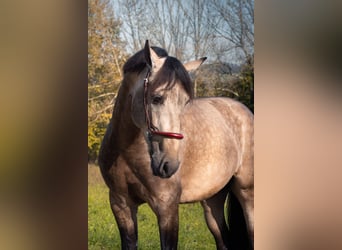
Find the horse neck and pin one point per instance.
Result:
(121, 132)
(123, 127)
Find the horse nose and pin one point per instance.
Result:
(167, 169)
(164, 168)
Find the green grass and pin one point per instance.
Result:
(103, 232)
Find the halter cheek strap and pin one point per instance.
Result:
(152, 130)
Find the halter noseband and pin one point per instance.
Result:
(152, 130)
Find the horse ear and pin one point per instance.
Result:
(147, 53)
(193, 65)
(152, 59)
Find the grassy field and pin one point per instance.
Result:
(103, 232)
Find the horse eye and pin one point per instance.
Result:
(157, 99)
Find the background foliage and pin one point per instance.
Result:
(223, 31)
(105, 59)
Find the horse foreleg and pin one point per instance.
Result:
(214, 215)
(125, 212)
(167, 215)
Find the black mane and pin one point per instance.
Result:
(172, 71)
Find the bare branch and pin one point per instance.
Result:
(103, 95)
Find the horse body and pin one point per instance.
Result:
(214, 158)
(213, 148)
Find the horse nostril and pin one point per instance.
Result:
(164, 169)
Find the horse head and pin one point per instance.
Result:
(161, 93)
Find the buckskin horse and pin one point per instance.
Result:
(165, 147)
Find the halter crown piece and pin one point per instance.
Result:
(152, 130)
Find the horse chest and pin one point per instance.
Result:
(207, 167)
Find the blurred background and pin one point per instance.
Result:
(44, 105)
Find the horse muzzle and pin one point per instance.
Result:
(163, 167)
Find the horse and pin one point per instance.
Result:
(164, 147)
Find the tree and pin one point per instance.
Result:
(133, 14)
(200, 33)
(244, 87)
(105, 59)
(180, 27)
(233, 24)
(222, 30)
(218, 79)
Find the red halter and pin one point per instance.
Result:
(152, 130)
